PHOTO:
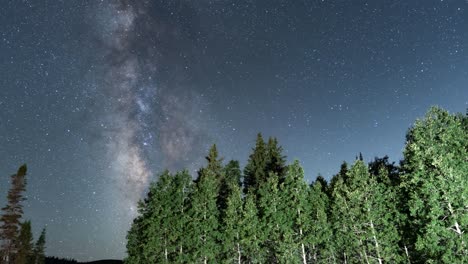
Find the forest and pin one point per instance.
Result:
(378, 212)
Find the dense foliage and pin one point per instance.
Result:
(369, 213)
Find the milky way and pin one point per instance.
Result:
(144, 120)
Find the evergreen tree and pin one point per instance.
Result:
(255, 170)
(232, 177)
(323, 183)
(271, 218)
(158, 221)
(25, 244)
(204, 215)
(342, 174)
(231, 229)
(204, 219)
(275, 161)
(251, 232)
(435, 177)
(392, 171)
(39, 248)
(12, 214)
(135, 242)
(232, 173)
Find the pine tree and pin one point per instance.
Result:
(231, 228)
(251, 232)
(342, 174)
(275, 161)
(158, 220)
(204, 219)
(271, 217)
(12, 214)
(39, 248)
(135, 241)
(204, 211)
(25, 244)
(392, 171)
(232, 173)
(255, 170)
(231, 177)
(435, 177)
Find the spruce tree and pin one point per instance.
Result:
(204, 211)
(231, 177)
(204, 224)
(342, 174)
(271, 218)
(25, 244)
(135, 242)
(232, 173)
(275, 161)
(158, 220)
(255, 170)
(231, 227)
(12, 214)
(435, 177)
(251, 232)
(39, 248)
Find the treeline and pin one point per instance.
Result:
(55, 260)
(17, 244)
(414, 212)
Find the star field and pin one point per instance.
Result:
(97, 97)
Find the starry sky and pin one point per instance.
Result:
(97, 97)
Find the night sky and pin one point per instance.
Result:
(97, 97)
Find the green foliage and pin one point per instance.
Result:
(271, 218)
(204, 224)
(255, 170)
(381, 213)
(251, 232)
(39, 248)
(231, 228)
(319, 233)
(435, 178)
(230, 180)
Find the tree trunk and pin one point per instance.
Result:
(375, 242)
(238, 254)
(315, 253)
(165, 249)
(407, 254)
